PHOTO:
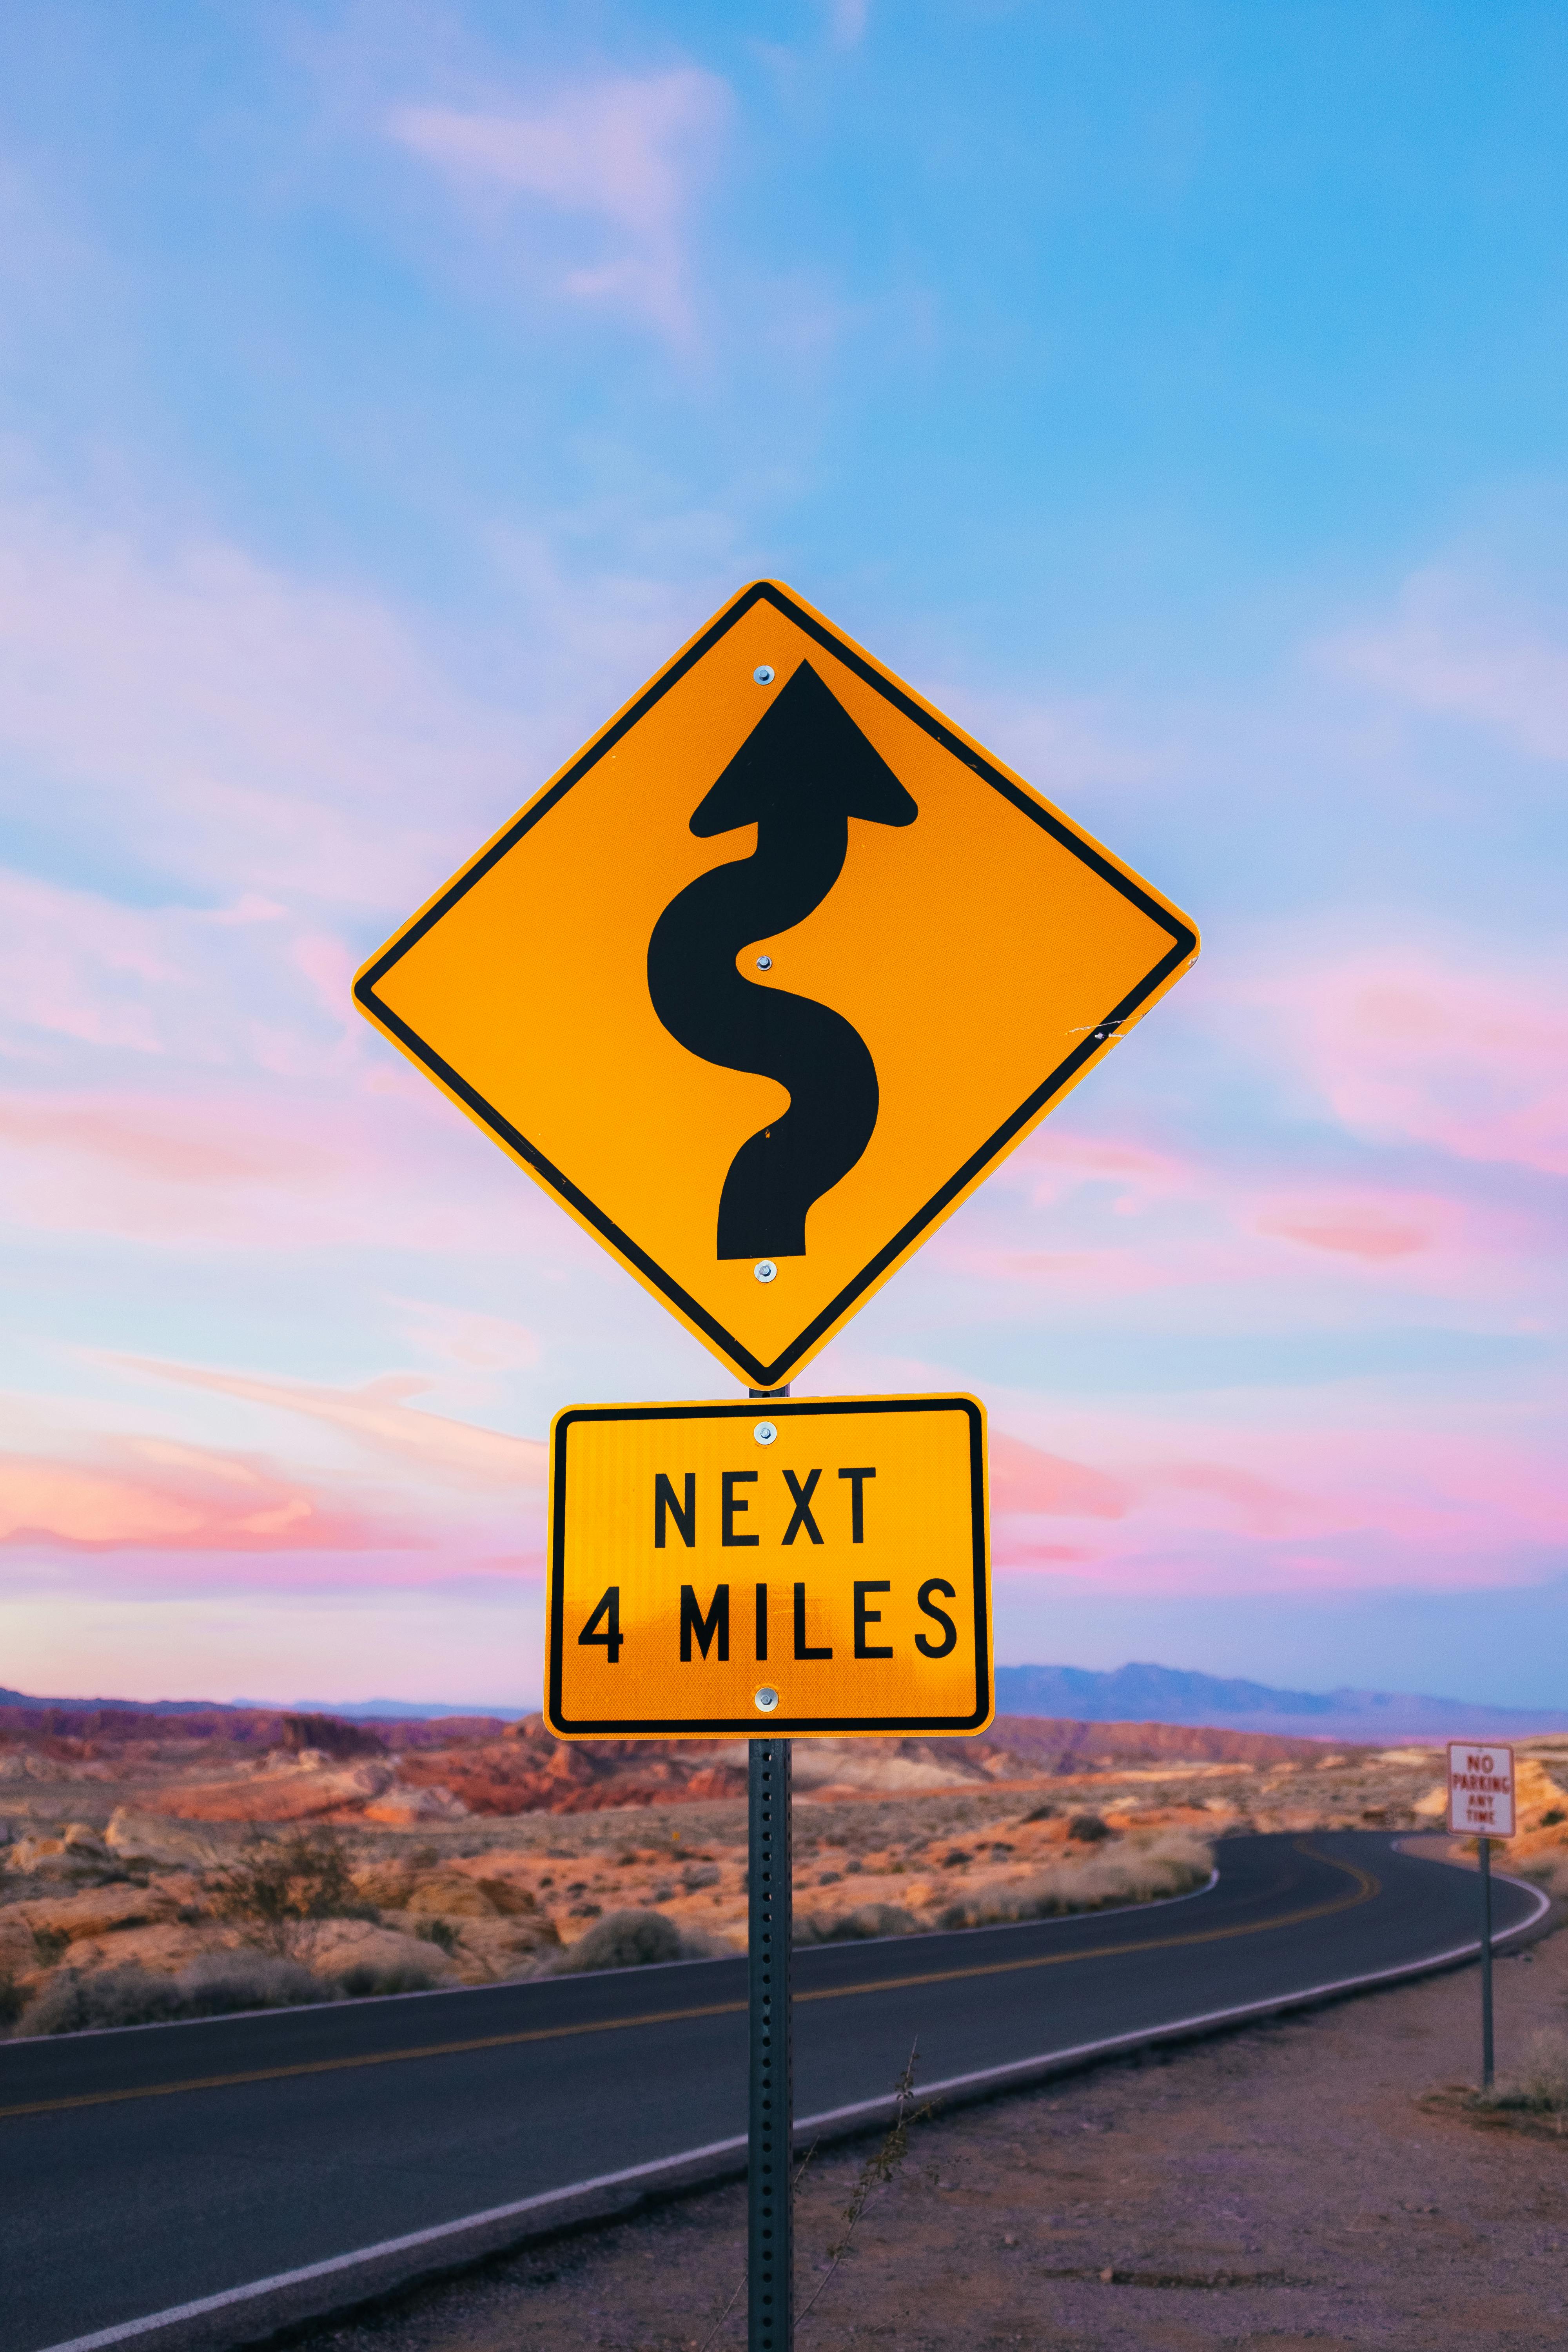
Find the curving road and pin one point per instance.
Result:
(149, 2170)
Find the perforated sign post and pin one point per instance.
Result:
(759, 988)
(1480, 1805)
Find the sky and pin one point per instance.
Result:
(1175, 395)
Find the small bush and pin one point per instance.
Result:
(1540, 2085)
(13, 2000)
(1550, 1820)
(1043, 1813)
(867, 1919)
(50, 1945)
(633, 1940)
(1168, 1865)
(439, 1932)
(219, 1982)
(367, 1979)
(627, 1940)
(279, 1891)
(214, 1985)
(128, 1995)
(1088, 1829)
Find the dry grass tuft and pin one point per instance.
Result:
(1540, 2086)
(1167, 1865)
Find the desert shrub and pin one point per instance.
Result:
(219, 1982)
(280, 1890)
(867, 1919)
(13, 2000)
(129, 1995)
(50, 1945)
(1550, 1821)
(633, 1939)
(626, 1939)
(367, 1979)
(1541, 2084)
(1173, 1865)
(213, 1986)
(1088, 1829)
(1043, 1813)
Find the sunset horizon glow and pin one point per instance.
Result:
(391, 391)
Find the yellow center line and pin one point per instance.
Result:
(1367, 1887)
(372, 2058)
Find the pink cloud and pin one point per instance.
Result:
(1456, 646)
(1012, 1552)
(1026, 1479)
(147, 1493)
(1329, 1491)
(483, 1343)
(1135, 1176)
(374, 1159)
(1467, 1053)
(1380, 1227)
(173, 1144)
(243, 729)
(378, 1418)
(624, 153)
(1350, 1232)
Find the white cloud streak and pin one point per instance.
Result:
(623, 155)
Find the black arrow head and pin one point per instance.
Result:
(804, 758)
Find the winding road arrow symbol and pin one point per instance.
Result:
(802, 773)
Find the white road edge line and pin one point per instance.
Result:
(132, 2328)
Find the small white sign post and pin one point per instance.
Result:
(1480, 1805)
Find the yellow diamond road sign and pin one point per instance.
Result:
(767, 981)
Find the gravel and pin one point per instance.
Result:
(1322, 2183)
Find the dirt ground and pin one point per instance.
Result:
(1317, 2183)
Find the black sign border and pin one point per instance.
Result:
(755, 1725)
(1184, 944)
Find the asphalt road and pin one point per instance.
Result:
(143, 2169)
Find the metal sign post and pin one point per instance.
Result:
(759, 988)
(1485, 1846)
(1480, 1805)
(770, 2173)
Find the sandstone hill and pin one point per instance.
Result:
(314, 1768)
(497, 1850)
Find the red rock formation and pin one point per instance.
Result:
(529, 1770)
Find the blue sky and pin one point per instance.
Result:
(1173, 394)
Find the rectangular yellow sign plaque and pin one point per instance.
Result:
(772, 1567)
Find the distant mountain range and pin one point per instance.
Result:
(1132, 1694)
(1143, 1694)
(387, 1710)
(368, 1710)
